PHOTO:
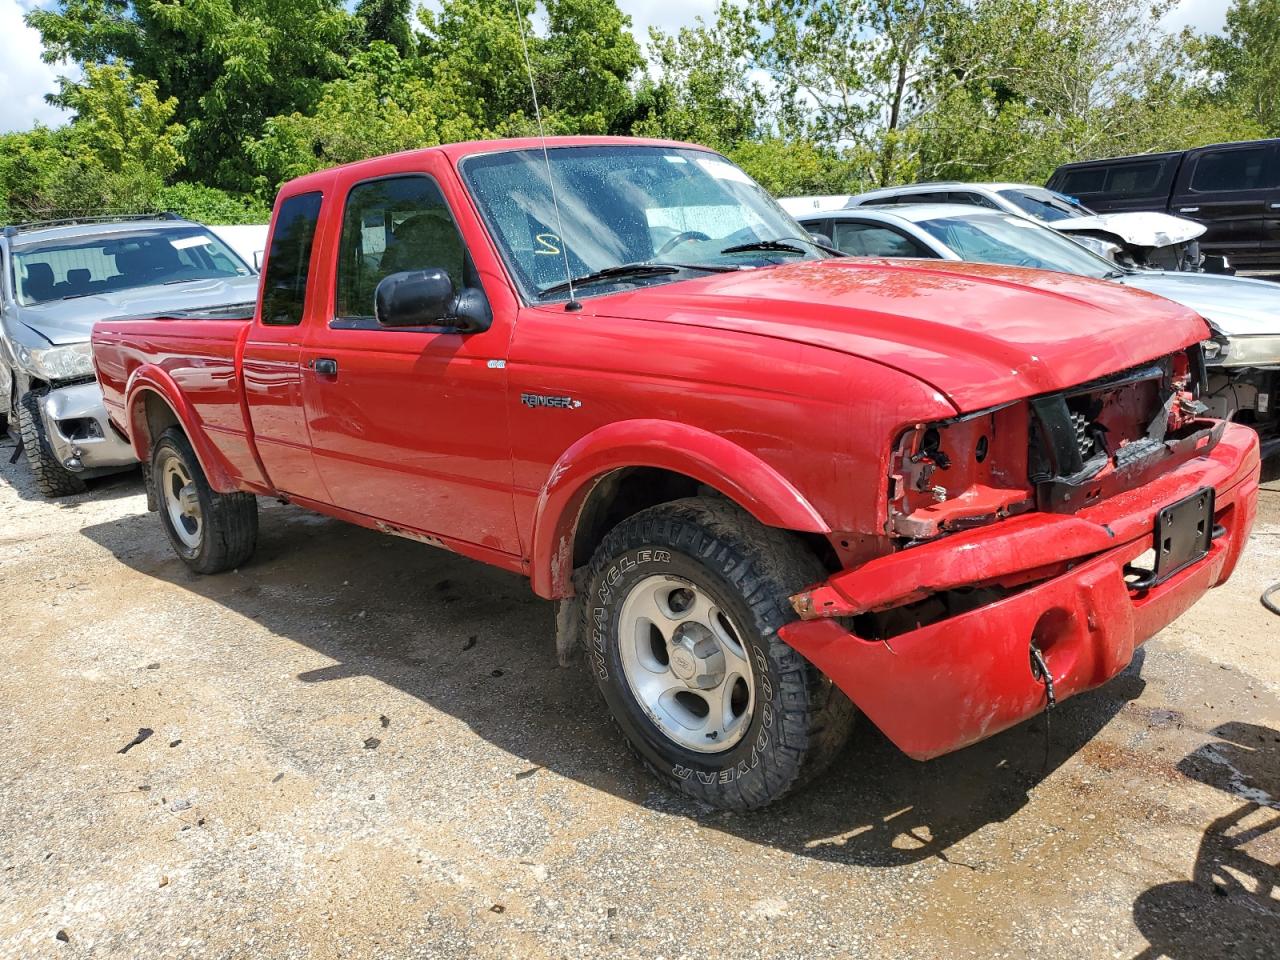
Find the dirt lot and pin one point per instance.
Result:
(362, 747)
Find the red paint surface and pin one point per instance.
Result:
(957, 681)
(784, 388)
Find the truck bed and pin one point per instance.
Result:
(190, 358)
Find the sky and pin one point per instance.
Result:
(25, 79)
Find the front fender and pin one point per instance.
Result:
(706, 457)
(152, 379)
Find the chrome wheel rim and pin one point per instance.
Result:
(686, 664)
(182, 502)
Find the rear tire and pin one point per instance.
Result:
(210, 531)
(52, 478)
(681, 619)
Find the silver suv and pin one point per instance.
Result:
(56, 281)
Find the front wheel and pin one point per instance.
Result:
(210, 531)
(681, 618)
(52, 478)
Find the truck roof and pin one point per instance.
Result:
(458, 151)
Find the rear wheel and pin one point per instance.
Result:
(52, 478)
(681, 619)
(210, 531)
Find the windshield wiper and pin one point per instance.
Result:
(783, 245)
(622, 271)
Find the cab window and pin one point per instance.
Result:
(392, 225)
(1232, 170)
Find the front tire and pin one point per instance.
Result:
(52, 478)
(681, 618)
(210, 531)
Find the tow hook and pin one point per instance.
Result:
(1040, 671)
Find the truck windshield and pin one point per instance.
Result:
(84, 266)
(1010, 240)
(623, 206)
(1045, 204)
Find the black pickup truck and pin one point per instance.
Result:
(1232, 188)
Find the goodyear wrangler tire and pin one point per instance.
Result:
(681, 616)
(52, 478)
(210, 531)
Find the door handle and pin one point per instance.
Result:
(325, 366)
(1189, 210)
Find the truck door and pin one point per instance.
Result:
(1235, 191)
(409, 425)
(270, 368)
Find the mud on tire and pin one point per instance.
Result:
(219, 531)
(52, 478)
(797, 720)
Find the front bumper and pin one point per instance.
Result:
(961, 679)
(75, 422)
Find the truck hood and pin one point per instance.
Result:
(1138, 229)
(70, 321)
(981, 335)
(1234, 306)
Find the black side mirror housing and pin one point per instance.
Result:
(821, 238)
(426, 298)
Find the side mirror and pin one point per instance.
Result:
(257, 260)
(425, 298)
(821, 238)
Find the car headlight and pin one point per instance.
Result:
(57, 363)
(1102, 248)
(1258, 351)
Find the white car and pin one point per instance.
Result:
(1242, 359)
(1145, 240)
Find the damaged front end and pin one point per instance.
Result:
(1021, 533)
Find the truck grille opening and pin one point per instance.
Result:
(1096, 439)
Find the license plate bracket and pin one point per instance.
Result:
(1183, 533)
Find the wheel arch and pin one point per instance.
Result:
(625, 467)
(154, 405)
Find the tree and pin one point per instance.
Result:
(1246, 61)
(705, 91)
(382, 105)
(388, 21)
(230, 64)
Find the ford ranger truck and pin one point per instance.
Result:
(770, 487)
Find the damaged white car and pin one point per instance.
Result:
(1136, 240)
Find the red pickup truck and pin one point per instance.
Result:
(770, 486)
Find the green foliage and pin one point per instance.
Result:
(114, 156)
(383, 105)
(230, 64)
(388, 21)
(194, 104)
(1246, 61)
(195, 201)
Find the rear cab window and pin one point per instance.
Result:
(284, 283)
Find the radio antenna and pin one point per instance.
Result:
(573, 303)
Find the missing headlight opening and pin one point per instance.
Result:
(1056, 452)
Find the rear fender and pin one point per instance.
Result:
(150, 379)
(699, 454)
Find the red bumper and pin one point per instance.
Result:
(959, 680)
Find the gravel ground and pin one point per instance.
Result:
(362, 747)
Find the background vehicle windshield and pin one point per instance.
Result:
(1016, 242)
(624, 205)
(81, 267)
(1045, 205)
